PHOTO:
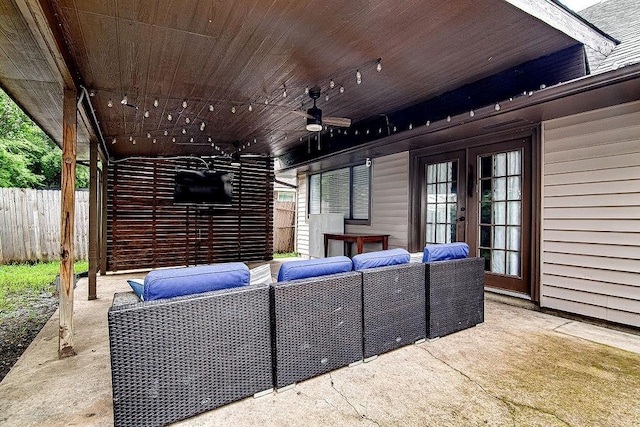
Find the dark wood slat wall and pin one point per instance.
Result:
(146, 230)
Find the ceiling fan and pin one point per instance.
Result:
(314, 115)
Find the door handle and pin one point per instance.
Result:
(461, 218)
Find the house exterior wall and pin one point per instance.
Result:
(590, 260)
(302, 223)
(389, 204)
(389, 201)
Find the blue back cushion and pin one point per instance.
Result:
(445, 251)
(175, 282)
(293, 270)
(137, 286)
(381, 259)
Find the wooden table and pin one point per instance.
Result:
(358, 238)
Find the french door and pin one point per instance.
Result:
(482, 196)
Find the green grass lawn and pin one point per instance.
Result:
(20, 282)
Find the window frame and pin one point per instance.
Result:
(350, 219)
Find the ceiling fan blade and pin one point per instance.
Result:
(337, 121)
(302, 114)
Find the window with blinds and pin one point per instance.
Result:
(345, 191)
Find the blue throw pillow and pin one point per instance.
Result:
(380, 259)
(303, 269)
(175, 282)
(137, 285)
(445, 251)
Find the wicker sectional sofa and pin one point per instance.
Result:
(176, 357)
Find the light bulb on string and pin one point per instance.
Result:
(472, 113)
(169, 117)
(154, 140)
(146, 113)
(133, 142)
(191, 139)
(497, 107)
(209, 139)
(124, 101)
(113, 141)
(379, 65)
(156, 103)
(184, 104)
(326, 97)
(332, 84)
(250, 107)
(173, 139)
(202, 125)
(166, 133)
(341, 89)
(233, 109)
(148, 135)
(284, 93)
(130, 138)
(184, 131)
(448, 119)
(210, 107)
(110, 103)
(358, 77)
(187, 120)
(306, 90)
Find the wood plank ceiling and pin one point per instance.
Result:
(203, 59)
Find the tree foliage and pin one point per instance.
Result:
(28, 157)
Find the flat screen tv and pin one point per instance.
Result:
(203, 187)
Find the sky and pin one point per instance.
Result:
(578, 5)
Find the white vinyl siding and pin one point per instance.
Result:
(591, 214)
(389, 201)
(302, 230)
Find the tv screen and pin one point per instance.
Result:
(203, 187)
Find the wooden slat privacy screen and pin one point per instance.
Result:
(146, 230)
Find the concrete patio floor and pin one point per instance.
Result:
(519, 368)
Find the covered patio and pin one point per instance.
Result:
(520, 367)
(141, 91)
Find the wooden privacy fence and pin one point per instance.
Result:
(284, 227)
(30, 225)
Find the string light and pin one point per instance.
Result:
(191, 139)
(284, 93)
(379, 65)
(233, 109)
(173, 139)
(113, 141)
(341, 89)
(166, 133)
(497, 107)
(209, 139)
(154, 140)
(306, 90)
(210, 107)
(250, 107)
(133, 142)
(472, 113)
(202, 125)
(110, 103)
(448, 119)
(124, 100)
(169, 117)
(146, 113)
(332, 84)
(184, 131)
(184, 104)
(156, 103)
(358, 77)
(130, 138)
(326, 97)
(187, 120)
(148, 135)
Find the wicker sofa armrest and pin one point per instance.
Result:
(317, 325)
(175, 358)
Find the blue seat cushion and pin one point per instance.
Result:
(445, 251)
(303, 269)
(381, 259)
(175, 282)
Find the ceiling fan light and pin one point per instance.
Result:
(314, 119)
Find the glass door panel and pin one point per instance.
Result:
(441, 202)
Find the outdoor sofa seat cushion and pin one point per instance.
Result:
(293, 270)
(175, 282)
(445, 251)
(381, 259)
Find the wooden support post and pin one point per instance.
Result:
(93, 218)
(67, 254)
